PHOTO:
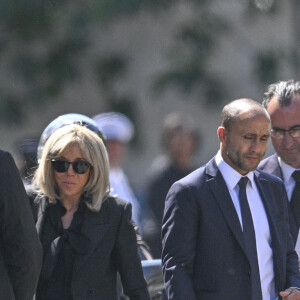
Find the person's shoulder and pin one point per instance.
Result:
(194, 179)
(114, 208)
(268, 176)
(196, 174)
(114, 203)
(5, 154)
(268, 160)
(271, 166)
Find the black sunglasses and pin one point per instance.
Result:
(61, 165)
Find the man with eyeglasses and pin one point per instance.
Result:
(282, 101)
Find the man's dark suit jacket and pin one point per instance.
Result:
(203, 251)
(20, 250)
(113, 248)
(271, 166)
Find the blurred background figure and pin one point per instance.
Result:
(179, 141)
(118, 131)
(27, 163)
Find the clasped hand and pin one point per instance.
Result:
(290, 294)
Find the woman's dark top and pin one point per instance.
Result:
(82, 262)
(56, 275)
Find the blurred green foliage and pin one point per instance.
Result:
(189, 70)
(41, 43)
(266, 67)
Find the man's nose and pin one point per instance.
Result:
(258, 146)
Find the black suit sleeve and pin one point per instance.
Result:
(179, 238)
(292, 272)
(127, 259)
(20, 247)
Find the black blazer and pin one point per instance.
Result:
(114, 248)
(271, 166)
(20, 249)
(203, 253)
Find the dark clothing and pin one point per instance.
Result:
(204, 255)
(95, 247)
(271, 166)
(20, 249)
(60, 247)
(159, 184)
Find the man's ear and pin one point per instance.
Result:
(222, 133)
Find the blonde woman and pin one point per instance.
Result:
(87, 235)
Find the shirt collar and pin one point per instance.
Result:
(231, 176)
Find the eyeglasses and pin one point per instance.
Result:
(61, 165)
(279, 133)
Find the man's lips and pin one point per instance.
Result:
(253, 158)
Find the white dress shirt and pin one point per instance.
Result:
(260, 222)
(288, 180)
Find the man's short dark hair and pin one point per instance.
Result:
(283, 90)
(231, 111)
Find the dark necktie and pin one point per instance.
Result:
(250, 241)
(295, 200)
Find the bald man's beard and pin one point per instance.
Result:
(237, 159)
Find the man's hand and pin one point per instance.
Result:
(290, 294)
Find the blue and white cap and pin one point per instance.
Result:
(115, 126)
(72, 118)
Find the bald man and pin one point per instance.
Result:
(225, 227)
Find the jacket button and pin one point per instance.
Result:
(231, 271)
(249, 273)
(91, 292)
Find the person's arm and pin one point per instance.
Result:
(20, 246)
(179, 238)
(127, 259)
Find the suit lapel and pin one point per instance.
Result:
(273, 167)
(263, 188)
(222, 196)
(270, 207)
(94, 227)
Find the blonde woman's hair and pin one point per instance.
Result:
(93, 150)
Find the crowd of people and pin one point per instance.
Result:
(71, 225)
